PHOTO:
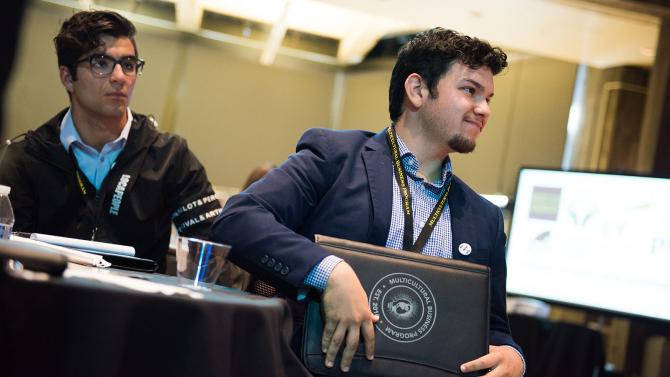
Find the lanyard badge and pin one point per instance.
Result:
(401, 178)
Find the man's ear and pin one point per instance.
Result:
(416, 91)
(66, 78)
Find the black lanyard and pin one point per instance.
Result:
(88, 193)
(80, 181)
(400, 176)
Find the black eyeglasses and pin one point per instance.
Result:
(103, 65)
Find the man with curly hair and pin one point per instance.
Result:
(347, 184)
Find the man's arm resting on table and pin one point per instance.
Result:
(346, 311)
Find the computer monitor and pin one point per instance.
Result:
(592, 240)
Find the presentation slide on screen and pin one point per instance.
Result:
(595, 240)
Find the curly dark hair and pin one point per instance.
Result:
(82, 32)
(431, 53)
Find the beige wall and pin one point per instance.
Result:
(34, 93)
(538, 117)
(365, 103)
(237, 114)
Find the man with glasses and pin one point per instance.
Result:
(97, 170)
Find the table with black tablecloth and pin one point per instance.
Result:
(74, 326)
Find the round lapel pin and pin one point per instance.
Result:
(464, 249)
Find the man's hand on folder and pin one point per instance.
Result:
(347, 315)
(501, 361)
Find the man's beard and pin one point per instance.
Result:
(461, 144)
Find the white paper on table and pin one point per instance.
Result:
(109, 277)
(74, 256)
(84, 244)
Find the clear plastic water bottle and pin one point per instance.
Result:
(6, 213)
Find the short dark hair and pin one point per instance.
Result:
(82, 32)
(431, 53)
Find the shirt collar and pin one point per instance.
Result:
(69, 133)
(411, 164)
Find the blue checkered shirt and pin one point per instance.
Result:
(425, 196)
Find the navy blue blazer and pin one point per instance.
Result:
(339, 184)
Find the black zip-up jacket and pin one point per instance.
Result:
(156, 180)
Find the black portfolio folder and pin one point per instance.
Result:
(434, 312)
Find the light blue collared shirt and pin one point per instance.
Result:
(95, 165)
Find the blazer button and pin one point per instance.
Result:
(278, 266)
(285, 270)
(264, 258)
(271, 262)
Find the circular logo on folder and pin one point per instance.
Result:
(405, 306)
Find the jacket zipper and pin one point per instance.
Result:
(98, 202)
